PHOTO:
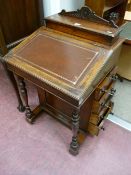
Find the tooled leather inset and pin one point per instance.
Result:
(60, 59)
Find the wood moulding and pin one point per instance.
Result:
(87, 14)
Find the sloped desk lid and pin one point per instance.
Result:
(67, 64)
(60, 59)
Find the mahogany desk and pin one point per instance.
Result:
(74, 79)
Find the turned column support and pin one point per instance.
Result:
(12, 79)
(20, 107)
(74, 145)
(24, 95)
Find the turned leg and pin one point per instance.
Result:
(74, 146)
(23, 91)
(11, 77)
(20, 107)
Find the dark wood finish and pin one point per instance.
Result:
(74, 146)
(23, 91)
(18, 19)
(2, 43)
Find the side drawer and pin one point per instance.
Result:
(96, 118)
(104, 100)
(104, 85)
(94, 129)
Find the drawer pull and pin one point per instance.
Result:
(114, 77)
(112, 92)
(111, 113)
(105, 105)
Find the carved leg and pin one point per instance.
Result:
(74, 146)
(23, 91)
(11, 77)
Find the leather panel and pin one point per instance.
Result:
(56, 57)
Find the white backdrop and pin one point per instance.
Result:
(54, 6)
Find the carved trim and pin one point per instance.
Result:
(87, 14)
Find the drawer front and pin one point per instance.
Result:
(104, 100)
(104, 85)
(94, 129)
(96, 118)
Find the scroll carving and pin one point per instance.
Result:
(86, 13)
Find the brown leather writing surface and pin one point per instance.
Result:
(59, 58)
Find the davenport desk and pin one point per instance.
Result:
(74, 78)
